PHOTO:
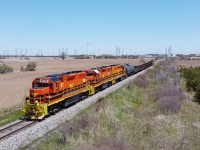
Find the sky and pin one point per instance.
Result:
(135, 26)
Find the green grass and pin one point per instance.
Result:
(9, 117)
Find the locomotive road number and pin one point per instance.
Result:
(42, 81)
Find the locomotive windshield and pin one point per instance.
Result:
(40, 85)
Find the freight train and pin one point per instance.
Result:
(53, 92)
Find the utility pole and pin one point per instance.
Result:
(16, 50)
(7, 53)
(21, 52)
(170, 50)
(26, 52)
(87, 47)
(59, 52)
(66, 51)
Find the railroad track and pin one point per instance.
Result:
(14, 128)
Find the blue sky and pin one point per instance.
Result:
(136, 26)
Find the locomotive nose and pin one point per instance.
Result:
(40, 91)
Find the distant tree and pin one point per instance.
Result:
(142, 60)
(62, 55)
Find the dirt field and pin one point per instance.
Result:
(188, 63)
(13, 85)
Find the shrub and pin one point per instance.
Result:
(5, 68)
(157, 66)
(150, 73)
(155, 72)
(141, 82)
(26, 58)
(170, 103)
(80, 124)
(112, 143)
(169, 98)
(22, 69)
(192, 76)
(142, 60)
(197, 93)
(161, 77)
(107, 143)
(101, 104)
(63, 131)
(31, 66)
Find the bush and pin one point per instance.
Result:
(5, 68)
(31, 66)
(169, 98)
(197, 93)
(192, 76)
(22, 69)
(63, 131)
(141, 82)
(107, 143)
(26, 58)
(142, 60)
(100, 105)
(170, 103)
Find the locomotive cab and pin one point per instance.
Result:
(93, 75)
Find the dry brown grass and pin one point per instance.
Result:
(188, 63)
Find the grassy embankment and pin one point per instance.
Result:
(153, 112)
(10, 115)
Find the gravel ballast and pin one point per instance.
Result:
(23, 138)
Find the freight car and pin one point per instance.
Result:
(53, 92)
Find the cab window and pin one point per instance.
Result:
(40, 85)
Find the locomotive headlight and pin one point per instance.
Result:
(36, 103)
(35, 94)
